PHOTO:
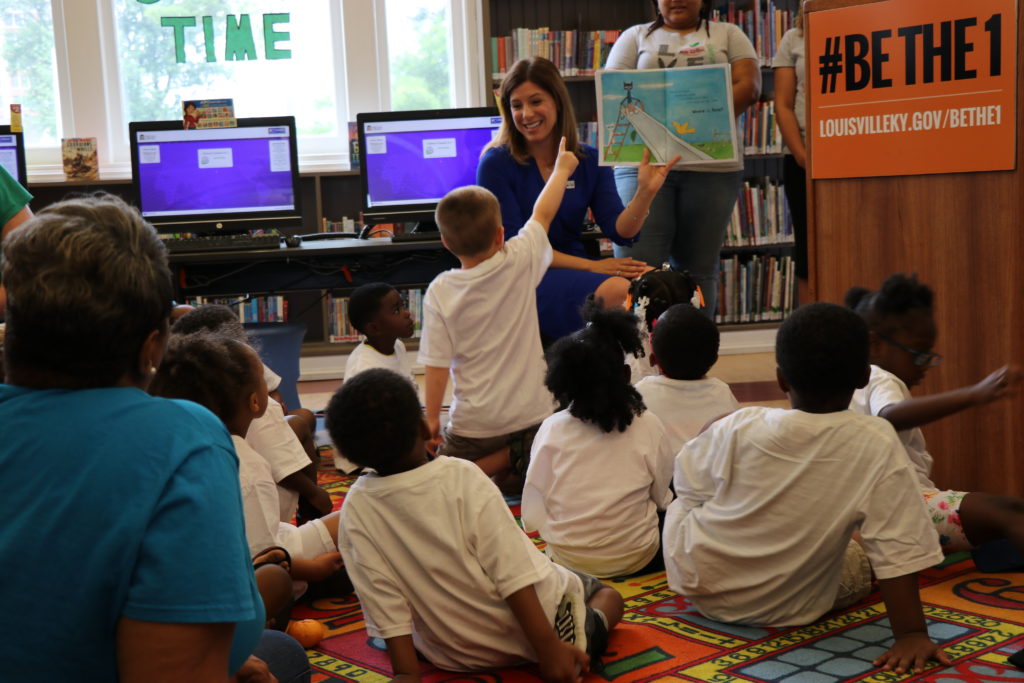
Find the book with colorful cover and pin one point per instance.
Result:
(353, 145)
(80, 158)
(208, 114)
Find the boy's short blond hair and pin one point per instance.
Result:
(468, 218)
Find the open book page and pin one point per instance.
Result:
(684, 111)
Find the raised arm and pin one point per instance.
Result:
(649, 180)
(915, 412)
(550, 198)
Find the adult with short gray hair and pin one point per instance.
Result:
(151, 569)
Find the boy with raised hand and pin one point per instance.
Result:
(437, 559)
(480, 325)
(769, 500)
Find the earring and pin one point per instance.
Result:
(152, 369)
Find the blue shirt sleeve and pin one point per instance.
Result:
(498, 173)
(605, 203)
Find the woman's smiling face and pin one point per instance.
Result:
(534, 112)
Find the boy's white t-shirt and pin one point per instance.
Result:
(685, 406)
(884, 389)
(272, 379)
(275, 441)
(434, 552)
(365, 357)
(594, 496)
(260, 504)
(768, 500)
(263, 528)
(482, 323)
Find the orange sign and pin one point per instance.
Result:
(904, 87)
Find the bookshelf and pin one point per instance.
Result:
(758, 282)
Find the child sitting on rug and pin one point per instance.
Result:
(684, 346)
(377, 312)
(480, 324)
(650, 295)
(600, 468)
(439, 564)
(226, 376)
(276, 436)
(769, 500)
(902, 333)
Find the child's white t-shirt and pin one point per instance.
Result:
(482, 323)
(272, 379)
(260, 504)
(366, 357)
(434, 552)
(640, 368)
(685, 406)
(263, 528)
(272, 438)
(594, 496)
(768, 500)
(884, 389)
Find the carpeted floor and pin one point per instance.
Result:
(979, 618)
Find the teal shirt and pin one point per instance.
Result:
(13, 197)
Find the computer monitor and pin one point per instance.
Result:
(216, 179)
(12, 154)
(410, 159)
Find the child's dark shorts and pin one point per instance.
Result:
(470, 448)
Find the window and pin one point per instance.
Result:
(27, 74)
(109, 62)
(419, 54)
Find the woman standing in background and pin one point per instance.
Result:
(691, 212)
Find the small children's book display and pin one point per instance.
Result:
(80, 159)
(208, 114)
(686, 111)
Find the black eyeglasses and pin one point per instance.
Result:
(921, 358)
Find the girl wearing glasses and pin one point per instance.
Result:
(902, 334)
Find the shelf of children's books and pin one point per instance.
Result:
(761, 325)
(754, 248)
(769, 155)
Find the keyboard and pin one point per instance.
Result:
(417, 237)
(200, 243)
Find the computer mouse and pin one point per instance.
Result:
(293, 240)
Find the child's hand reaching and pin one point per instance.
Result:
(911, 652)
(566, 161)
(996, 385)
(565, 663)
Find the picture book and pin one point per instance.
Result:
(686, 111)
(80, 159)
(208, 114)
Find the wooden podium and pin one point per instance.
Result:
(963, 234)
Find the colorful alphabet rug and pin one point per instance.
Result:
(978, 618)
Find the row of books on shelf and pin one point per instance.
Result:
(756, 288)
(575, 53)
(759, 129)
(339, 329)
(257, 309)
(761, 216)
(581, 53)
(763, 23)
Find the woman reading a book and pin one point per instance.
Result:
(690, 215)
(536, 114)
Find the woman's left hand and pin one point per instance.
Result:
(650, 178)
(621, 267)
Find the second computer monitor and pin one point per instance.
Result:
(217, 179)
(410, 159)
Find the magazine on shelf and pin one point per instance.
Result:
(686, 111)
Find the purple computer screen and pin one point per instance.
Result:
(422, 166)
(205, 176)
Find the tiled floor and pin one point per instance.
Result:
(751, 376)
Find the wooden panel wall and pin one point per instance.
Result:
(964, 235)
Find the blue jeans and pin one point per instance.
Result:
(285, 658)
(687, 224)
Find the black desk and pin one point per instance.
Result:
(322, 264)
